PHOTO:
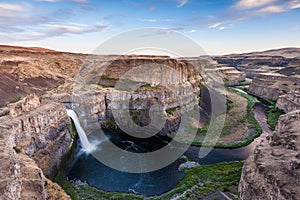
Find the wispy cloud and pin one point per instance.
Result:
(155, 20)
(294, 4)
(19, 22)
(12, 7)
(51, 30)
(246, 4)
(182, 3)
(271, 9)
(246, 9)
(149, 20)
(66, 28)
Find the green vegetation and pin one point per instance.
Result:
(244, 83)
(273, 115)
(110, 122)
(201, 85)
(272, 103)
(229, 104)
(200, 181)
(225, 79)
(74, 133)
(253, 125)
(14, 100)
(57, 63)
(17, 149)
(104, 77)
(204, 180)
(147, 86)
(171, 111)
(84, 191)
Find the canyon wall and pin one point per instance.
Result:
(166, 85)
(273, 85)
(34, 138)
(273, 171)
(289, 101)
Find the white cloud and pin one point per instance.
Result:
(182, 3)
(11, 7)
(71, 29)
(78, 24)
(215, 25)
(247, 4)
(192, 31)
(271, 9)
(294, 4)
(149, 20)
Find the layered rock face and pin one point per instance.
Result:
(21, 178)
(273, 171)
(170, 84)
(262, 62)
(35, 132)
(272, 85)
(289, 101)
(231, 76)
(33, 140)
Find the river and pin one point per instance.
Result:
(88, 169)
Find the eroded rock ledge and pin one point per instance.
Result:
(289, 101)
(32, 145)
(273, 85)
(273, 171)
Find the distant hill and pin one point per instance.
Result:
(284, 52)
(18, 48)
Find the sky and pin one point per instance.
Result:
(219, 26)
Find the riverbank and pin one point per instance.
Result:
(241, 126)
(199, 182)
(206, 180)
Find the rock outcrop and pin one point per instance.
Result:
(21, 178)
(289, 101)
(32, 146)
(273, 171)
(273, 85)
(231, 76)
(27, 104)
(262, 62)
(167, 84)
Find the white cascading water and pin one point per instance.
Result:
(86, 145)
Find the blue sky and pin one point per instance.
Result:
(219, 27)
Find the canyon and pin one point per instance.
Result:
(36, 86)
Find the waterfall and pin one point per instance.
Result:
(86, 145)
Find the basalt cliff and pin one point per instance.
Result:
(37, 85)
(273, 171)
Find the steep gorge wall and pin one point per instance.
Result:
(165, 89)
(272, 85)
(33, 143)
(273, 171)
(289, 101)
